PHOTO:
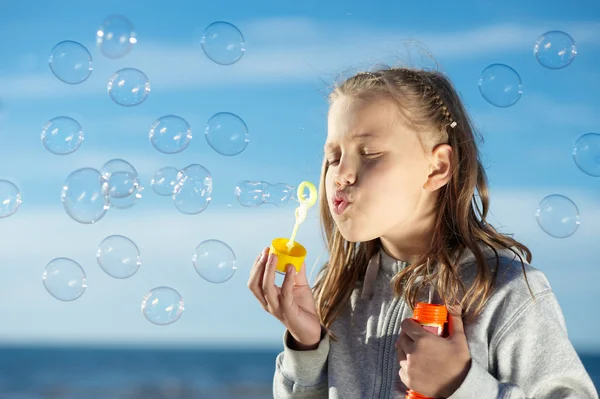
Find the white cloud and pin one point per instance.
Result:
(284, 49)
(535, 112)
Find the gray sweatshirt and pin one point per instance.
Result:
(519, 347)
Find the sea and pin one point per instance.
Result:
(95, 373)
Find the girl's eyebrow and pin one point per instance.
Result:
(354, 137)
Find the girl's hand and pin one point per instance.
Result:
(293, 303)
(431, 365)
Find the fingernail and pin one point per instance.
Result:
(290, 268)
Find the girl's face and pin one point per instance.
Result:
(377, 170)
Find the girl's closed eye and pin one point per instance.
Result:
(333, 160)
(370, 154)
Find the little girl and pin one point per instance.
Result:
(403, 207)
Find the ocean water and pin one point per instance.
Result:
(60, 373)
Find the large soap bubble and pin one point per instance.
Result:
(64, 279)
(116, 36)
(70, 62)
(10, 198)
(170, 134)
(118, 256)
(162, 305)
(586, 154)
(223, 43)
(193, 190)
(128, 87)
(555, 49)
(85, 195)
(121, 176)
(500, 85)
(558, 216)
(62, 135)
(214, 261)
(227, 133)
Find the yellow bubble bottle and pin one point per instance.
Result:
(289, 251)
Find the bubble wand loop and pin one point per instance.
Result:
(302, 210)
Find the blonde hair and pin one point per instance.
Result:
(429, 103)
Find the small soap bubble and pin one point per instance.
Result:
(116, 37)
(62, 135)
(85, 195)
(64, 279)
(256, 193)
(128, 87)
(214, 261)
(193, 189)
(586, 154)
(279, 194)
(558, 216)
(500, 85)
(70, 62)
(129, 201)
(250, 193)
(223, 43)
(162, 305)
(226, 133)
(121, 176)
(164, 180)
(555, 49)
(118, 256)
(10, 198)
(170, 134)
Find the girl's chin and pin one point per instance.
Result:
(354, 234)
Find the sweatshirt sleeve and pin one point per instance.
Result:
(533, 358)
(302, 374)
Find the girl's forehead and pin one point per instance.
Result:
(363, 121)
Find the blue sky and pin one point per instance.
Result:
(278, 88)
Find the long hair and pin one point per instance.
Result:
(429, 103)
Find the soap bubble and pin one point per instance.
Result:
(70, 62)
(555, 49)
(226, 133)
(193, 189)
(162, 305)
(128, 87)
(223, 43)
(118, 256)
(121, 176)
(586, 154)
(250, 193)
(85, 195)
(64, 279)
(214, 261)
(129, 201)
(170, 134)
(500, 85)
(10, 198)
(115, 37)
(278, 194)
(256, 193)
(164, 180)
(62, 135)
(558, 216)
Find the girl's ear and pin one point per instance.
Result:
(440, 168)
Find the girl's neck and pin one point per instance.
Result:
(410, 242)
